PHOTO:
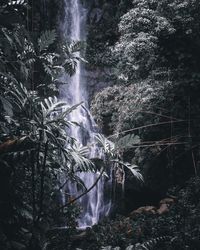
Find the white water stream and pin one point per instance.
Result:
(94, 206)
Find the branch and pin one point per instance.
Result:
(146, 126)
(84, 193)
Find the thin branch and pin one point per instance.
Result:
(194, 163)
(157, 114)
(84, 193)
(146, 126)
(159, 144)
(33, 186)
(42, 180)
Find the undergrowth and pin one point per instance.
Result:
(180, 227)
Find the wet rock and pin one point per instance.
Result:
(168, 201)
(144, 210)
(164, 208)
(165, 205)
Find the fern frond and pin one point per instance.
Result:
(150, 244)
(46, 39)
(75, 46)
(17, 2)
(70, 65)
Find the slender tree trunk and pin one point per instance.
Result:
(42, 181)
(33, 186)
(84, 193)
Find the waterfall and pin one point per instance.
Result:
(93, 205)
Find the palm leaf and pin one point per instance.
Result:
(133, 168)
(108, 146)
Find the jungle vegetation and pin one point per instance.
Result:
(149, 114)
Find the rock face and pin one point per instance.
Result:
(96, 81)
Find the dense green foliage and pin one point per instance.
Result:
(176, 229)
(33, 151)
(36, 151)
(151, 49)
(156, 61)
(102, 30)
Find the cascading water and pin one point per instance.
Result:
(93, 204)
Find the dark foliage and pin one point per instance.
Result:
(179, 227)
(155, 95)
(33, 131)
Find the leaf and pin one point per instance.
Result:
(56, 107)
(26, 214)
(70, 66)
(133, 168)
(108, 146)
(17, 245)
(46, 39)
(106, 248)
(17, 2)
(128, 141)
(67, 111)
(7, 106)
(75, 46)
(82, 163)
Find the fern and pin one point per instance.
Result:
(46, 39)
(72, 56)
(150, 244)
(75, 47)
(70, 65)
(17, 3)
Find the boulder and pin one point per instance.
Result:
(165, 204)
(164, 208)
(144, 210)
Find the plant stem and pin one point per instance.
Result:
(33, 185)
(42, 176)
(84, 193)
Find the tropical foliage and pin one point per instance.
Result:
(176, 229)
(155, 91)
(36, 148)
(148, 52)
